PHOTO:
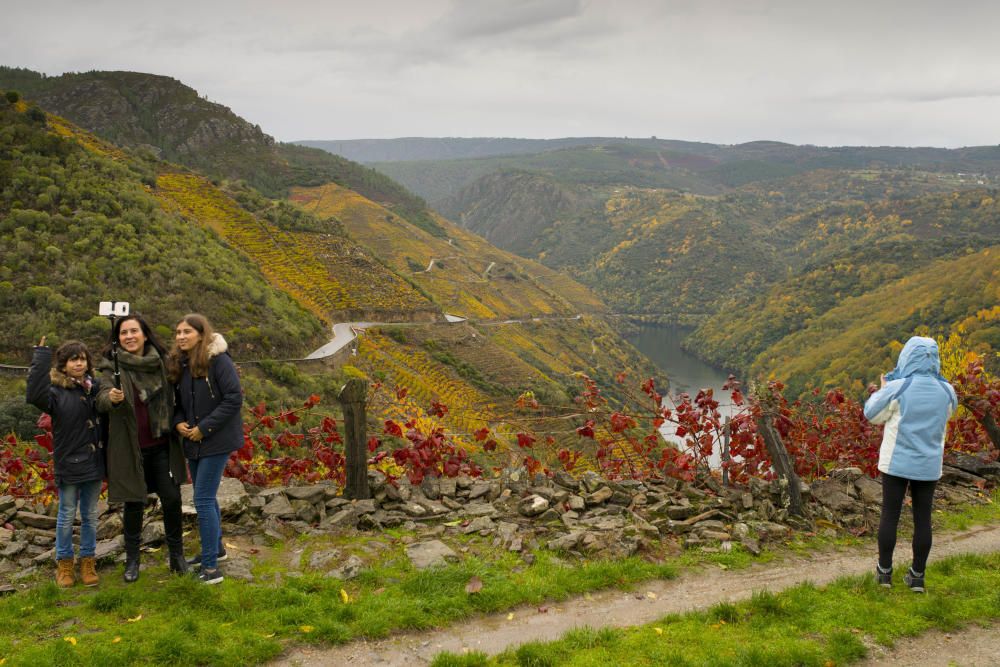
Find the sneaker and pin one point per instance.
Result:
(915, 581)
(883, 577)
(210, 576)
(196, 561)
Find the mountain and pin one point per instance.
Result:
(171, 120)
(81, 225)
(510, 208)
(750, 242)
(862, 250)
(91, 220)
(437, 169)
(407, 149)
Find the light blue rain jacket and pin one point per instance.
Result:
(914, 405)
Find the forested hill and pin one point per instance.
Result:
(171, 120)
(410, 149)
(81, 223)
(86, 220)
(455, 148)
(753, 242)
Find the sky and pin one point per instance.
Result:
(825, 72)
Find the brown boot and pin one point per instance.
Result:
(88, 571)
(64, 573)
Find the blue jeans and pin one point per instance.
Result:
(70, 495)
(206, 475)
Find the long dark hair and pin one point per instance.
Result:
(151, 338)
(198, 357)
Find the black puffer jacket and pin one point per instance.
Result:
(78, 450)
(212, 404)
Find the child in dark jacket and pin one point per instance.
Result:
(68, 392)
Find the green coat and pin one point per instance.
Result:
(126, 479)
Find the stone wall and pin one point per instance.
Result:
(587, 516)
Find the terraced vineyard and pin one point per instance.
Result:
(426, 380)
(89, 141)
(325, 272)
(460, 271)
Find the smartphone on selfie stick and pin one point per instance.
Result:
(113, 310)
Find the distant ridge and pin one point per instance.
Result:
(407, 149)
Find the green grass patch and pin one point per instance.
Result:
(971, 515)
(163, 619)
(805, 625)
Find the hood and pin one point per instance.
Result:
(59, 379)
(218, 345)
(918, 357)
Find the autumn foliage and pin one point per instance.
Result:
(303, 445)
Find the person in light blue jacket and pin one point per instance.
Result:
(914, 403)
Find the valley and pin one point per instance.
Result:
(539, 329)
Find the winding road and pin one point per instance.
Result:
(344, 333)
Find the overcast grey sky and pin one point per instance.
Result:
(831, 72)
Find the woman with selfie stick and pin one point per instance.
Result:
(144, 454)
(209, 399)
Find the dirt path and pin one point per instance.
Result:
(972, 647)
(693, 590)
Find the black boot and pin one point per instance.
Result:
(132, 520)
(178, 564)
(131, 568)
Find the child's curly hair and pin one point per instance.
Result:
(73, 349)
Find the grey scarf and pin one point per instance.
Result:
(147, 377)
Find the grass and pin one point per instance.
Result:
(971, 515)
(166, 619)
(805, 625)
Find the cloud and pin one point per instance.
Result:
(471, 19)
(928, 93)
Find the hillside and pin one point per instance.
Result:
(761, 239)
(327, 254)
(460, 271)
(81, 225)
(854, 341)
(853, 251)
(170, 119)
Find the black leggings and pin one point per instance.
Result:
(922, 495)
(156, 467)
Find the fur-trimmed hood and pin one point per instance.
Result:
(59, 379)
(217, 345)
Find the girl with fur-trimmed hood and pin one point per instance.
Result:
(207, 417)
(68, 394)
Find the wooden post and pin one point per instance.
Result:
(725, 450)
(782, 463)
(352, 400)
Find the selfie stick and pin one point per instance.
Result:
(114, 353)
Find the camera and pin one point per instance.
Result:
(113, 308)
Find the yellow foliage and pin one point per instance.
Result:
(457, 282)
(280, 258)
(64, 128)
(954, 357)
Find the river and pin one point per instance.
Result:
(686, 373)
